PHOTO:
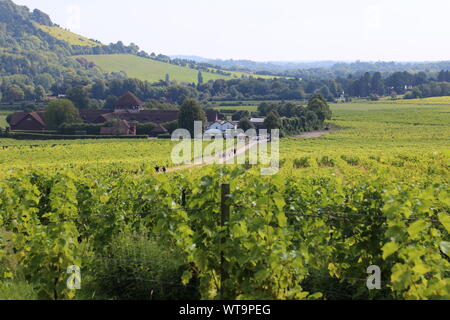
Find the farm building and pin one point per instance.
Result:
(130, 103)
(27, 121)
(120, 127)
(128, 108)
(223, 126)
(258, 122)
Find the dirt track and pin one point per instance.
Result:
(229, 155)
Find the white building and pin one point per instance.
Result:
(222, 126)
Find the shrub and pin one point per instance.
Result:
(145, 128)
(17, 290)
(353, 161)
(326, 161)
(301, 163)
(73, 128)
(134, 267)
(171, 126)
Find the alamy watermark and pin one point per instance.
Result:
(230, 147)
(74, 281)
(374, 279)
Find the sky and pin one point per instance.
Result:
(265, 30)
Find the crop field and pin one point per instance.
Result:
(424, 101)
(373, 192)
(152, 70)
(250, 108)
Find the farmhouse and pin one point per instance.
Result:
(27, 121)
(223, 126)
(128, 108)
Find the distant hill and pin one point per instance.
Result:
(31, 53)
(337, 68)
(36, 52)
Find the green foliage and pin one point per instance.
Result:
(79, 96)
(17, 290)
(190, 111)
(245, 124)
(301, 162)
(73, 128)
(272, 121)
(61, 111)
(145, 128)
(318, 105)
(135, 267)
(241, 114)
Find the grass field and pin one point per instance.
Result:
(68, 36)
(3, 123)
(3, 115)
(152, 70)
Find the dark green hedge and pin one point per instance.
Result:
(73, 128)
(145, 128)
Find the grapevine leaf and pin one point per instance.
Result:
(388, 249)
(416, 227)
(445, 247)
(445, 220)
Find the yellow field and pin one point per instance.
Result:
(424, 101)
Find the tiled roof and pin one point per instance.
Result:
(128, 100)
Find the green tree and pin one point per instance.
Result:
(190, 111)
(272, 121)
(13, 94)
(98, 89)
(61, 111)
(79, 96)
(377, 86)
(110, 102)
(39, 93)
(318, 105)
(240, 115)
(245, 124)
(326, 93)
(200, 77)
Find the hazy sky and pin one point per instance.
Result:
(263, 30)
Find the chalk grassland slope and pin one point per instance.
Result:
(68, 36)
(152, 70)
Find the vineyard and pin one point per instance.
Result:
(375, 192)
